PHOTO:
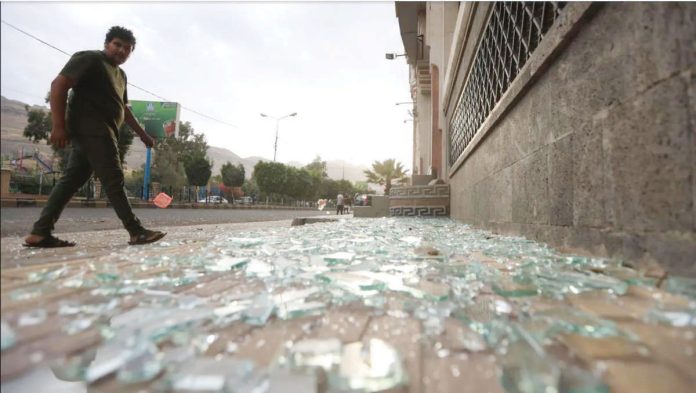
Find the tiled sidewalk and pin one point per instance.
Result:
(369, 304)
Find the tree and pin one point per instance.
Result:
(383, 173)
(299, 183)
(38, 124)
(317, 167)
(181, 160)
(39, 128)
(167, 168)
(271, 177)
(232, 175)
(188, 144)
(198, 171)
(250, 188)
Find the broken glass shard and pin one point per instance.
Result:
(73, 368)
(681, 285)
(232, 308)
(143, 363)
(260, 310)
(526, 368)
(77, 325)
(575, 282)
(109, 358)
(46, 274)
(370, 367)
(324, 353)
(509, 287)
(208, 374)
(562, 320)
(294, 295)
(299, 309)
(678, 317)
(257, 268)
(244, 242)
(33, 317)
(576, 380)
(226, 263)
(8, 337)
(339, 257)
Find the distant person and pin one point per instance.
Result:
(339, 204)
(96, 110)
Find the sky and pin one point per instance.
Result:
(234, 60)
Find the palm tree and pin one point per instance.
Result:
(383, 173)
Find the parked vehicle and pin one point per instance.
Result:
(213, 199)
(244, 200)
(362, 200)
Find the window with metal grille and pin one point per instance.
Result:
(513, 31)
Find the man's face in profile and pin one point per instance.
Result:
(117, 51)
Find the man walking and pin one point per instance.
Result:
(339, 204)
(95, 111)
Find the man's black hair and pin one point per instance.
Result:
(122, 33)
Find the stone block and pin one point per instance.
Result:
(561, 182)
(379, 208)
(624, 50)
(692, 121)
(648, 160)
(588, 178)
(675, 251)
(421, 180)
(530, 189)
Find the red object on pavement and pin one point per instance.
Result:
(162, 200)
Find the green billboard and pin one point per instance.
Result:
(159, 119)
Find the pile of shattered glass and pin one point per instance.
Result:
(440, 265)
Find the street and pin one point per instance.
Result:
(18, 221)
(374, 304)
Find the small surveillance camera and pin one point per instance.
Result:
(389, 56)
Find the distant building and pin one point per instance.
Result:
(569, 123)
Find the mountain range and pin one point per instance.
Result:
(13, 119)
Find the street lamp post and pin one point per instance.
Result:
(277, 119)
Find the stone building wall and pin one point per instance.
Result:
(597, 152)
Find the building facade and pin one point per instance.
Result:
(568, 123)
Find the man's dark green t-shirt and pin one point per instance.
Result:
(96, 106)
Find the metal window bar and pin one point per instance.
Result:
(512, 33)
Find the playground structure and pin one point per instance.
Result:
(40, 164)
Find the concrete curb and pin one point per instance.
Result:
(28, 202)
(313, 220)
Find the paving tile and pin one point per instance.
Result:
(590, 349)
(461, 373)
(644, 377)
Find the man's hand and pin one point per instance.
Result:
(59, 138)
(147, 140)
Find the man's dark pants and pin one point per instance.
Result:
(89, 154)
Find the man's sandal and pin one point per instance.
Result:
(146, 237)
(50, 241)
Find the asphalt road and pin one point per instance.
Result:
(17, 221)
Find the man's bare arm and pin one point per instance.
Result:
(58, 100)
(135, 126)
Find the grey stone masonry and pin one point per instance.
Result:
(597, 152)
